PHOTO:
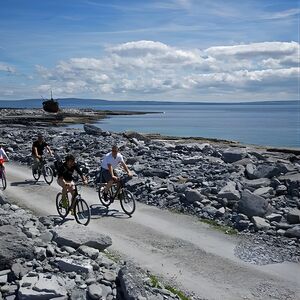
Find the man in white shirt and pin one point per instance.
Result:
(110, 161)
(3, 154)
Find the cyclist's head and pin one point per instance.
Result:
(114, 150)
(70, 160)
(40, 137)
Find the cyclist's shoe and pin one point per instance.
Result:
(120, 196)
(105, 196)
(65, 202)
(72, 211)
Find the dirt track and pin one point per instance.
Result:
(178, 248)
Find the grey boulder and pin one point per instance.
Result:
(252, 205)
(76, 235)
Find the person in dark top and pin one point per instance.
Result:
(38, 148)
(65, 176)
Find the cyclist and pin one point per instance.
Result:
(110, 161)
(65, 177)
(38, 147)
(3, 157)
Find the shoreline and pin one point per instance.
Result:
(72, 116)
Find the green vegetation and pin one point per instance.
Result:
(180, 294)
(112, 256)
(155, 283)
(223, 228)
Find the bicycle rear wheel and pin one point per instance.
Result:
(104, 200)
(62, 206)
(127, 202)
(82, 212)
(3, 181)
(48, 174)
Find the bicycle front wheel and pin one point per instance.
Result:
(104, 199)
(62, 205)
(82, 212)
(48, 174)
(36, 173)
(3, 181)
(127, 202)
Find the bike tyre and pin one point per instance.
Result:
(82, 212)
(62, 211)
(36, 175)
(3, 181)
(104, 202)
(127, 197)
(48, 174)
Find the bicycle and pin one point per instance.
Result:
(45, 169)
(3, 182)
(118, 190)
(81, 209)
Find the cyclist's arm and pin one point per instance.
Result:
(126, 168)
(4, 155)
(111, 171)
(36, 152)
(49, 150)
(83, 178)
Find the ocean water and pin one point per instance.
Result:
(270, 124)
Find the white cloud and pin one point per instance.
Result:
(7, 68)
(149, 67)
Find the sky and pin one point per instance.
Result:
(178, 50)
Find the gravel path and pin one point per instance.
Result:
(179, 248)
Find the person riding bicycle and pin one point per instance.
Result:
(38, 147)
(66, 179)
(3, 155)
(110, 161)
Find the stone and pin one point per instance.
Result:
(293, 216)
(252, 205)
(193, 196)
(88, 251)
(93, 130)
(264, 191)
(229, 192)
(260, 223)
(81, 235)
(40, 253)
(74, 265)
(231, 155)
(41, 287)
(151, 172)
(262, 171)
(274, 217)
(293, 232)
(95, 291)
(131, 283)
(14, 244)
(109, 276)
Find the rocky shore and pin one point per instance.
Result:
(246, 188)
(39, 259)
(67, 116)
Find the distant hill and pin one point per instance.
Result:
(86, 103)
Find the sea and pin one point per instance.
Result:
(275, 123)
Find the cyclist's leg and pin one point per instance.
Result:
(35, 164)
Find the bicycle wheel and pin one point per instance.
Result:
(3, 181)
(62, 206)
(103, 200)
(82, 212)
(127, 202)
(36, 174)
(48, 174)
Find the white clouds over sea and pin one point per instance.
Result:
(160, 71)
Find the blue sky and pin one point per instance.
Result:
(185, 50)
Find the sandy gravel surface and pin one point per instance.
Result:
(178, 248)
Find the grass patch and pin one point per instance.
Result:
(180, 294)
(112, 256)
(154, 281)
(223, 228)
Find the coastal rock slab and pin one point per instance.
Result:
(260, 223)
(232, 155)
(41, 287)
(229, 192)
(13, 244)
(293, 232)
(193, 196)
(293, 216)
(252, 205)
(262, 171)
(74, 265)
(81, 235)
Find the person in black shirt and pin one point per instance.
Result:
(38, 148)
(65, 175)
